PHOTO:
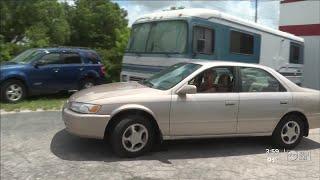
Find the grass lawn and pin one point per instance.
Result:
(45, 102)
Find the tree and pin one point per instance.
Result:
(32, 20)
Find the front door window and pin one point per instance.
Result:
(215, 80)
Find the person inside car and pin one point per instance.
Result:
(208, 85)
(224, 83)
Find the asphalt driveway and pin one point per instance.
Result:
(36, 146)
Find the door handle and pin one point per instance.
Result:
(56, 70)
(230, 103)
(284, 102)
(81, 68)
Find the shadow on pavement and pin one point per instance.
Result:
(72, 148)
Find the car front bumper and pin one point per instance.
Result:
(85, 125)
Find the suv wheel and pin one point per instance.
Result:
(13, 91)
(132, 136)
(87, 83)
(288, 132)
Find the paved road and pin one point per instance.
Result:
(36, 146)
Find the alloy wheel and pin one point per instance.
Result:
(290, 132)
(135, 137)
(14, 92)
(88, 85)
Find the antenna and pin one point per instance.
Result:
(256, 11)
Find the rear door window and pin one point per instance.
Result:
(258, 80)
(71, 58)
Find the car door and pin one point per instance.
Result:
(70, 70)
(263, 101)
(212, 110)
(43, 73)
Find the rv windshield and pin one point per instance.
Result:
(159, 37)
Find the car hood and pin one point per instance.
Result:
(11, 65)
(111, 90)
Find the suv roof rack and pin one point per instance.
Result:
(75, 47)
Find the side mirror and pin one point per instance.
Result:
(187, 89)
(39, 63)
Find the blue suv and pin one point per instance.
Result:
(50, 70)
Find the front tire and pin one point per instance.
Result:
(132, 136)
(288, 132)
(13, 91)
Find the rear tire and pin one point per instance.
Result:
(132, 136)
(13, 91)
(288, 132)
(87, 83)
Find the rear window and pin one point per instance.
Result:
(93, 58)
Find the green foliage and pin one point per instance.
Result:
(99, 24)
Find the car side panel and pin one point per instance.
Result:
(260, 112)
(159, 107)
(308, 103)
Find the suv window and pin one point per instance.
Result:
(258, 80)
(71, 58)
(92, 58)
(215, 80)
(51, 58)
(203, 40)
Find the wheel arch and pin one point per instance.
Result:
(302, 116)
(17, 78)
(90, 74)
(121, 112)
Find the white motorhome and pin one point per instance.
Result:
(165, 38)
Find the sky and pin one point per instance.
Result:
(268, 10)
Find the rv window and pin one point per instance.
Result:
(139, 37)
(167, 37)
(295, 55)
(203, 40)
(241, 43)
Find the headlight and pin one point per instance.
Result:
(84, 108)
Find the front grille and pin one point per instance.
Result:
(133, 78)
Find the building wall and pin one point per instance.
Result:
(302, 18)
(299, 13)
(312, 62)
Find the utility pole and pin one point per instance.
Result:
(256, 11)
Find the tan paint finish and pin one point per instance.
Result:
(195, 115)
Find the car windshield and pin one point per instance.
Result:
(159, 37)
(171, 76)
(27, 56)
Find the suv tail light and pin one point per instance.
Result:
(103, 70)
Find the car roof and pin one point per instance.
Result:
(66, 49)
(208, 63)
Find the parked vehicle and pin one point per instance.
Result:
(50, 70)
(161, 39)
(195, 100)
